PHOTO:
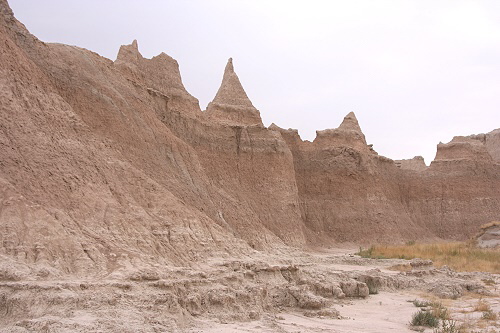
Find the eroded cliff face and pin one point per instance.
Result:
(459, 190)
(350, 193)
(110, 165)
(92, 181)
(347, 191)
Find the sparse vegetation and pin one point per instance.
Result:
(489, 315)
(459, 256)
(482, 306)
(370, 253)
(430, 314)
(424, 318)
(440, 312)
(450, 326)
(427, 304)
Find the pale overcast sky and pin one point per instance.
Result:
(414, 72)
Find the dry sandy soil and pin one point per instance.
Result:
(286, 291)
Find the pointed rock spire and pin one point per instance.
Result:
(347, 134)
(231, 103)
(350, 122)
(231, 91)
(129, 53)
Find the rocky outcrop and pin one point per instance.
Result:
(348, 192)
(348, 134)
(416, 164)
(231, 104)
(91, 180)
(106, 165)
(489, 236)
(463, 149)
(160, 75)
(493, 144)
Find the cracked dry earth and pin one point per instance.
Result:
(286, 291)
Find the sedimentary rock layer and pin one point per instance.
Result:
(106, 164)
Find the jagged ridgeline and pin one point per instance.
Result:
(108, 163)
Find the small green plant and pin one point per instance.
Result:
(410, 243)
(366, 253)
(369, 253)
(424, 318)
(449, 326)
(437, 309)
(489, 315)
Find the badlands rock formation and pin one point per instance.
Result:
(231, 104)
(104, 163)
(417, 164)
(109, 170)
(489, 236)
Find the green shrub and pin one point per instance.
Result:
(489, 315)
(436, 309)
(449, 326)
(424, 318)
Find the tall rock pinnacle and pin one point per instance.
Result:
(129, 54)
(231, 104)
(350, 122)
(348, 133)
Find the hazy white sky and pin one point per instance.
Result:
(414, 72)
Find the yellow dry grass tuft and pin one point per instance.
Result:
(482, 306)
(463, 257)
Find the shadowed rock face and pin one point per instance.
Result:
(110, 164)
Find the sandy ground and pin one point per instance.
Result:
(291, 291)
(384, 312)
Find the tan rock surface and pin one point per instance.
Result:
(489, 236)
(231, 104)
(416, 164)
(120, 198)
(115, 126)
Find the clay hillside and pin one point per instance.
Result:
(110, 164)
